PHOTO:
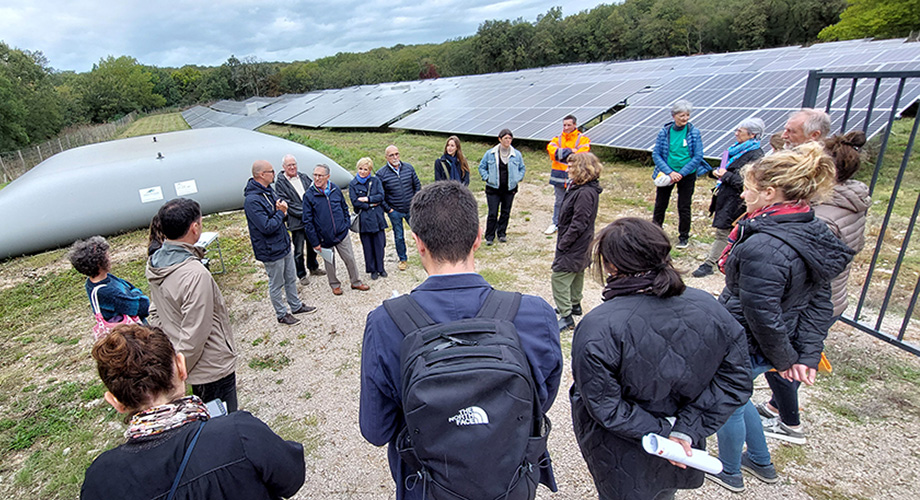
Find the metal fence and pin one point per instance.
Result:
(15, 163)
(888, 296)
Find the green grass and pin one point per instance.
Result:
(273, 362)
(155, 124)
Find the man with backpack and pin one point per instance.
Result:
(455, 376)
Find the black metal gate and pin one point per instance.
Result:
(873, 102)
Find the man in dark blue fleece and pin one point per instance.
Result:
(446, 231)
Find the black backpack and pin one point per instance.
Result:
(474, 428)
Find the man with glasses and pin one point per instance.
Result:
(270, 242)
(290, 187)
(400, 183)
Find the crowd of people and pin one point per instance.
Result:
(457, 378)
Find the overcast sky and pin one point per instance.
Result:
(74, 34)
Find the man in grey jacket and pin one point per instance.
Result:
(290, 187)
(190, 306)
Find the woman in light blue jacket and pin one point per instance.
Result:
(501, 168)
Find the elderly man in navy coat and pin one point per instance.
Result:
(400, 183)
(271, 243)
(326, 222)
(447, 235)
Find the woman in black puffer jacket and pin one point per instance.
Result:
(654, 357)
(778, 266)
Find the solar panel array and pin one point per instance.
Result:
(633, 98)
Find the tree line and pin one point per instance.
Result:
(36, 101)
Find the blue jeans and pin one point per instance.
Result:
(282, 280)
(744, 427)
(399, 236)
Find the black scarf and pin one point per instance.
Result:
(628, 284)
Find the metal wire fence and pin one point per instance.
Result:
(15, 163)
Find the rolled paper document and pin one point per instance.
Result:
(665, 448)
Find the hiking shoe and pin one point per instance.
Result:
(682, 243)
(731, 482)
(776, 429)
(288, 319)
(765, 411)
(576, 310)
(766, 473)
(403, 265)
(550, 229)
(304, 309)
(566, 323)
(703, 270)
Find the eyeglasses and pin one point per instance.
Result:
(392, 155)
(320, 175)
(267, 172)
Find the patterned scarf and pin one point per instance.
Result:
(166, 417)
(786, 207)
(628, 284)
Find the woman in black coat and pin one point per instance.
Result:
(655, 357)
(452, 165)
(727, 204)
(778, 266)
(366, 193)
(575, 232)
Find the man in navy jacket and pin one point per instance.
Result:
(400, 183)
(271, 243)
(446, 232)
(326, 222)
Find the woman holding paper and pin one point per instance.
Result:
(778, 265)
(655, 357)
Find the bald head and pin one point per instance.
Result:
(392, 153)
(263, 173)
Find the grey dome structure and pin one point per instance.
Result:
(115, 186)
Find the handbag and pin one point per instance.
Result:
(355, 222)
(103, 327)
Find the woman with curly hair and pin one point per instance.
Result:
(117, 298)
(778, 266)
(173, 445)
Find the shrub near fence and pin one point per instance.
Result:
(15, 163)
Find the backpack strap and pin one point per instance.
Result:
(407, 314)
(500, 305)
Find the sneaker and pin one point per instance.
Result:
(550, 229)
(731, 482)
(288, 319)
(403, 265)
(766, 473)
(682, 242)
(503, 239)
(305, 280)
(317, 272)
(703, 270)
(489, 243)
(776, 429)
(765, 411)
(576, 310)
(374, 275)
(304, 309)
(566, 323)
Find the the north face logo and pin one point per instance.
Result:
(473, 415)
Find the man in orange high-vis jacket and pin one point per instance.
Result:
(569, 142)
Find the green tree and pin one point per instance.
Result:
(118, 86)
(875, 18)
(30, 108)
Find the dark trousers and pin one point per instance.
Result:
(224, 389)
(785, 398)
(299, 237)
(373, 244)
(684, 201)
(499, 201)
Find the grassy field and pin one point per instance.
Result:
(53, 422)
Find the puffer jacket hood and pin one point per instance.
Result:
(851, 195)
(824, 255)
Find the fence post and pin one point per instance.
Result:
(60, 145)
(39, 149)
(24, 169)
(811, 89)
(6, 178)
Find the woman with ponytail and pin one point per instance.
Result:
(845, 215)
(655, 357)
(778, 266)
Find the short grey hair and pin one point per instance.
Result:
(754, 126)
(285, 157)
(815, 121)
(324, 167)
(90, 256)
(681, 106)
